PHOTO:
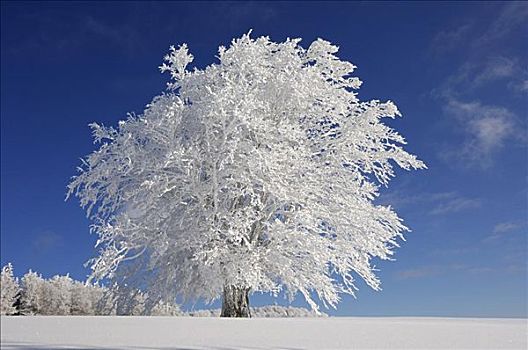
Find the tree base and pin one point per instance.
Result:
(235, 302)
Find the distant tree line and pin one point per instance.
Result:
(62, 295)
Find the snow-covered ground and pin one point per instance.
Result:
(98, 332)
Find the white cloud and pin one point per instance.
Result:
(513, 14)
(496, 68)
(524, 86)
(448, 39)
(440, 202)
(455, 205)
(439, 196)
(520, 86)
(421, 272)
(506, 226)
(508, 17)
(452, 202)
(46, 241)
(502, 229)
(483, 71)
(457, 251)
(435, 270)
(488, 60)
(486, 128)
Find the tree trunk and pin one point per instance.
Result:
(235, 302)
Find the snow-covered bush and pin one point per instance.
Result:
(204, 313)
(9, 291)
(284, 311)
(264, 312)
(162, 308)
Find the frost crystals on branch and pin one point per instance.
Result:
(257, 173)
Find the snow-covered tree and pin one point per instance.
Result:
(32, 301)
(61, 295)
(123, 300)
(136, 304)
(46, 297)
(9, 291)
(84, 298)
(57, 296)
(95, 293)
(257, 173)
(107, 304)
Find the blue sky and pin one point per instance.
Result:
(457, 71)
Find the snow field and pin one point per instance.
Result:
(129, 332)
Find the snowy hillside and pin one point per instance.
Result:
(56, 332)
